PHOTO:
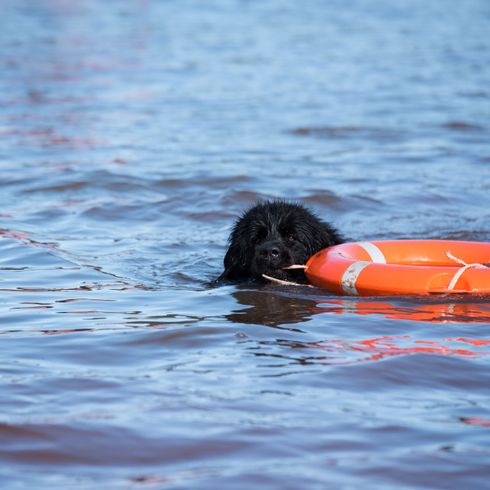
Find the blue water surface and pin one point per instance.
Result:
(132, 134)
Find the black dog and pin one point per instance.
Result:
(273, 235)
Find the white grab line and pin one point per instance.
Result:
(461, 271)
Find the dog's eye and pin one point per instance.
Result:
(289, 234)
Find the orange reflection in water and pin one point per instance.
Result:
(401, 345)
(467, 311)
(476, 421)
(454, 312)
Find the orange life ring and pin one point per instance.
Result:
(390, 267)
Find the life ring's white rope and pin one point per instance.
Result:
(279, 281)
(460, 271)
(285, 283)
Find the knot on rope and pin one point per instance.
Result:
(460, 271)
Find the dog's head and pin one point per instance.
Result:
(273, 235)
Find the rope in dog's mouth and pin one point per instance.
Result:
(287, 283)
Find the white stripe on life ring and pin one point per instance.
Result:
(374, 252)
(349, 278)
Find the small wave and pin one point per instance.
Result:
(347, 132)
(462, 126)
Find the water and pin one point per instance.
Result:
(132, 135)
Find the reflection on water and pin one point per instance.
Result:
(444, 310)
(276, 305)
(402, 345)
(131, 136)
(288, 309)
(265, 307)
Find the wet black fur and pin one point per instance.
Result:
(272, 235)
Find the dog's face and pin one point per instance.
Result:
(273, 235)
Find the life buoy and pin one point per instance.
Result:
(390, 267)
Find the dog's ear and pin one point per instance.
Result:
(234, 263)
(331, 236)
(240, 250)
(321, 235)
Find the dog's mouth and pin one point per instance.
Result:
(276, 274)
(291, 274)
(273, 261)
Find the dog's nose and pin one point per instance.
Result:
(274, 251)
(269, 251)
